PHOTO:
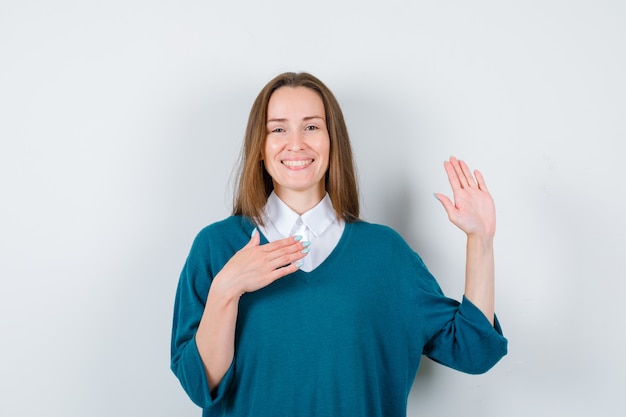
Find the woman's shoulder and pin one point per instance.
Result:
(363, 226)
(380, 232)
(383, 239)
(230, 222)
(230, 226)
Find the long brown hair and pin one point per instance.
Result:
(255, 184)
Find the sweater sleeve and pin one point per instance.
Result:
(457, 335)
(191, 295)
(467, 342)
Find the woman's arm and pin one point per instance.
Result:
(253, 267)
(473, 211)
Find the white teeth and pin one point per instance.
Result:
(297, 163)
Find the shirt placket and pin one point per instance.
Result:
(301, 229)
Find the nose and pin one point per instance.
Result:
(296, 142)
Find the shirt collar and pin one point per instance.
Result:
(283, 217)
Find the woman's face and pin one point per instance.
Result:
(297, 144)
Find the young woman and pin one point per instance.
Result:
(293, 306)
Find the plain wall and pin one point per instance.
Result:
(120, 126)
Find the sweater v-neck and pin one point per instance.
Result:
(335, 254)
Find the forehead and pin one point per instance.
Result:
(294, 102)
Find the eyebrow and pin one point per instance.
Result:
(306, 119)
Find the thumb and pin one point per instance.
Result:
(255, 238)
(446, 203)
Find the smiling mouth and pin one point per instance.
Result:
(298, 164)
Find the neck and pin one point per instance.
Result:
(298, 201)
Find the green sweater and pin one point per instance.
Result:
(345, 339)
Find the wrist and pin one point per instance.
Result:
(479, 246)
(224, 293)
(484, 239)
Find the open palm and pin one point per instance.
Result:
(473, 210)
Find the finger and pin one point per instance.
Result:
(459, 172)
(481, 180)
(453, 178)
(286, 256)
(264, 279)
(283, 272)
(446, 203)
(281, 243)
(282, 267)
(467, 174)
(283, 256)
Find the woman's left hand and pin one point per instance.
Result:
(473, 210)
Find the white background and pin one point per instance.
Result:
(120, 125)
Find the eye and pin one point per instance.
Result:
(278, 130)
(311, 128)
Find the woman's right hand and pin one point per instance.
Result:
(256, 266)
(253, 267)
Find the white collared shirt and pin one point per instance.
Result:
(319, 226)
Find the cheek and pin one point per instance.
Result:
(325, 149)
(265, 152)
(270, 148)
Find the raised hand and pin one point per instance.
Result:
(256, 266)
(473, 210)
